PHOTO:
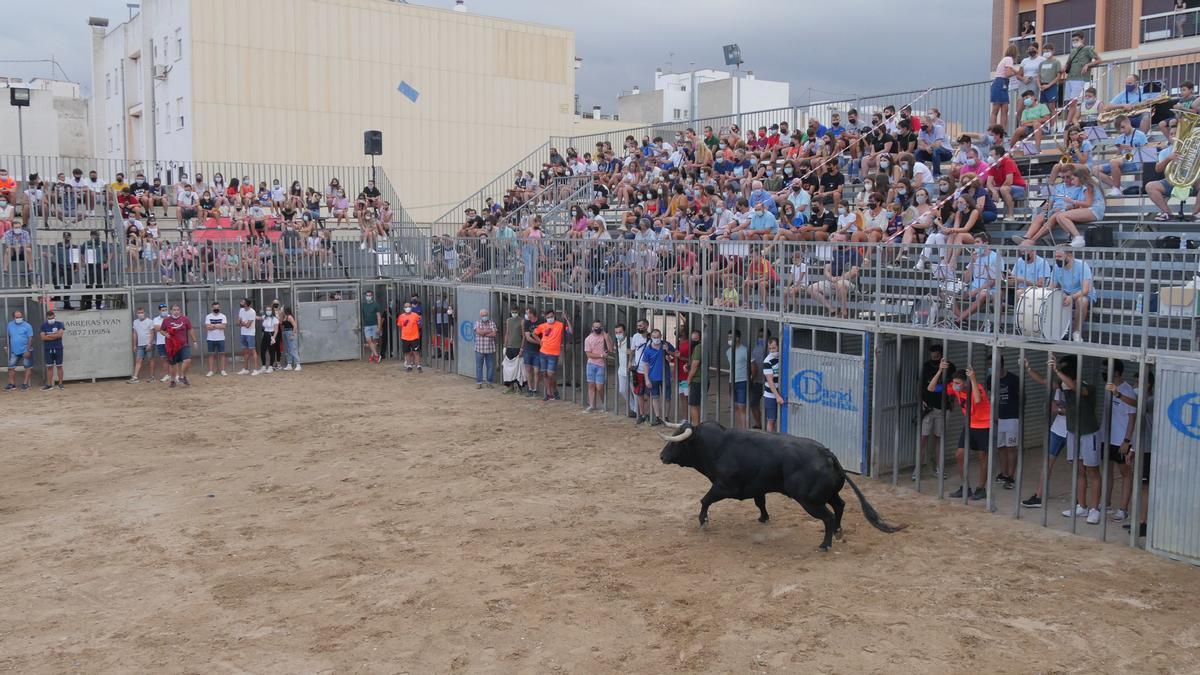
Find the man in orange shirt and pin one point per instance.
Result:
(550, 336)
(8, 186)
(975, 433)
(410, 337)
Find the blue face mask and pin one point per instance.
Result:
(1130, 88)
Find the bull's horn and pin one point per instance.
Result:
(673, 426)
(677, 438)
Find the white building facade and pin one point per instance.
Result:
(55, 124)
(700, 93)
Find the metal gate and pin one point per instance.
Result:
(470, 301)
(1173, 525)
(329, 322)
(826, 374)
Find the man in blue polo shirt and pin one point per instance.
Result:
(1129, 97)
(20, 349)
(760, 196)
(52, 349)
(1074, 277)
(762, 224)
(1128, 141)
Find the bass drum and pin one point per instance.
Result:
(1040, 314)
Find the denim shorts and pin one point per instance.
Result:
(999, 90)
(14, 358)
(161, 349)
(216, 346)
(370, 332)
(143, 351)
(1057, 443)
(770, 408)
(246, 341)
(655, 389)
(533, 357)
(1018, 191)
(53, 356)
(182, 355)
(1126, 167)
(549, 362)
(739, 393)
(595, 374)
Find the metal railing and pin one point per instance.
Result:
(546, 197)
(502, 185)
(1171, 25)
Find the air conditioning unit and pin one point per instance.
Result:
(160, 72)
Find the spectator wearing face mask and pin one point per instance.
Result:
(215, 324)
(977, 410)
(51, 334)
(180, 338)
(372, 322)
(981, 278)
(597, 346)
(270, 345)
(160, 343)
(19, 346)
(657, 357)
(514, 340)
(549, 337)
(247, 327)
(290, 330)
(409, 323)
(773, 399)
(16, 251)
(485, 350)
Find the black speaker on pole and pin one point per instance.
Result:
(373, 142)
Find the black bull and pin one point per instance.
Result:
(744, 464)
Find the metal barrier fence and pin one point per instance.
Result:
(1140, 300)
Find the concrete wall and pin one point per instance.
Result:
(52, 126)
(304, 91)
(643, 108)
(584, 126)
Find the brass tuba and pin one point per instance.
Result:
(1137, 109)
(1184, 170)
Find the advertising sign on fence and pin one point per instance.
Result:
(97, 344)
(467, 313)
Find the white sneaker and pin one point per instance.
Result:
(165, 378)
(1093, 516)
(270, 369)
(1078, 241)
(1079, 511)
(1119, 515)
(243, 371)
(208, 374)
(1114, 192)
(1077, 336)
(297, 367)
(921, 263)
(288, 367)
(362, 246)
(254, 372)
(134, 379)
(224, 374)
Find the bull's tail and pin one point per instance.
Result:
(870, 512)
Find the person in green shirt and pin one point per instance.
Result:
(1082, 425)
(1033, 117)
(695, 382)
(1080, 63)
(1048, 77)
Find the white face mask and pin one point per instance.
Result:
(1048, 54)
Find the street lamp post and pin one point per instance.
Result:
(733, 57)
(18, 97)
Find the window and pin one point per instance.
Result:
(166, 49)
(179, 110)
(677, 114)
(107, 85)
(178, 43)
(168, 116)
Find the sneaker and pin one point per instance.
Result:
(132, 380)
(479, 385)
(61, 387)
(288, 367)
(1119, 515)
(1115, 192)
(1017, 239)
(1079, 511)
(254, 372)
(557, 396)
(1093, 516)
(641, 418)
(1002, 478)
(243, 371)
(588, 409)
(490, 385)
(978, 493)
(9, 387)
(208, 374)
(419, 370)
(1077, 241)
(546, 398)
(24, 387)
(270, 369)
(185, 382)
(297, 369)
(1077, 336)
(1010, 483)
(165, 378)
(922, 262)
(408, 369)
(1034, 502)
(631, 415)
(172, 384)
(657, 422)
(224, 374)
(47, 387)
(957, 494)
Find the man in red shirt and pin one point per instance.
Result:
(1004, 179)
(180, 338)
(975, 433)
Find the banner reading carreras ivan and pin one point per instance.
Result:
(97, 344)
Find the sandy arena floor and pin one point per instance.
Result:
(354, 519)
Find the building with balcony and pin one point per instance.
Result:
(1157, 39)
(700, 93)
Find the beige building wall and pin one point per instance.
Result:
(304, 90)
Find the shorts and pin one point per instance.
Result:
(739, 393)
(934, 424)
(1007, 432)
(410, 346)
(695, 394)
(1126, 167)
(246, 341)
(979, 440)
(1057, 443)
(216, 346)
(13, 359)
(182, 355)
(829, 288)
(1018, 191)
(143, 351)
(1049, 96)
(1136, 120)
(370, 332)
(770, 408)
(595, 374)
(1114, 452)
(532, 356)
(655, 389)
(161, 349)
(1089, 449)
(999, 91)
(1073, 89)
(549, 363)
(52, 356)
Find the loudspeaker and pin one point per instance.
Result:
(373, 142)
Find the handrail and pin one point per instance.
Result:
(563, 206)
(537, 199)
(479, 195)
(1159, 15)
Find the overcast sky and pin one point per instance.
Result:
(835, 48)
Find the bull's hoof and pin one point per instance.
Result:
(839, 534)
(703, 521)
(823, 548)
(763, 519)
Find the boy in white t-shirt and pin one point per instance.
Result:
(142, 327)
(214, 333)
(247, 327)
(160, 344)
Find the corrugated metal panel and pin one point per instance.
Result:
(886, 420)
(825, 398)
(1174, 513)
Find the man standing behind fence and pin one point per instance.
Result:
(372, 324)
(485, 350)
(597, 346)
(180, 338)
(20, 349)
(52, 350)
(533, 354)
(549, 336)
(934, 404)
(978, 411)
(214, 326)
(409, 323)
(513, 339)
(247, 323)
